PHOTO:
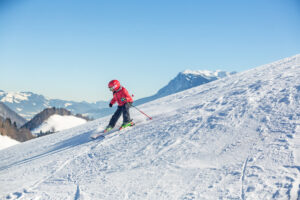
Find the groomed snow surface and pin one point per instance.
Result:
(235, 138)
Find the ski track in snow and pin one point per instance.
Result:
(243, 179)
(235, 138)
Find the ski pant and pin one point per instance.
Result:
(121, 110)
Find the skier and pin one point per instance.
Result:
(124, 100)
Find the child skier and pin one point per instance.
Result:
(124, 100)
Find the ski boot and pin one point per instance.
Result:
(108, 128)
(125, 125)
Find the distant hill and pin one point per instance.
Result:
(43, 116)
(6, 112)
(56, 123)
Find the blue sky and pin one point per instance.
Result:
(71, 49)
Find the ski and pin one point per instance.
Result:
(97, 135)
(103, 133)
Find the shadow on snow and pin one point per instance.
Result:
(59, 147)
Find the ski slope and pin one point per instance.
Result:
(235, 138)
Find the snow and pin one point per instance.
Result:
(15, 97)
(6, 142)
(68, 104)
(206, 73)
(59, 123)
(234, 138)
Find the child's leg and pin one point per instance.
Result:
(115, 117)
(126, 115)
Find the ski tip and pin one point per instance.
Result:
(97, 137)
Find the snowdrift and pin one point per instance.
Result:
(6, 141)
(235, 138)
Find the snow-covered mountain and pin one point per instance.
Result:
(6, 112)
(186, 80)
(57, 123)
(28, 104)
(52, 120)
(233, 138)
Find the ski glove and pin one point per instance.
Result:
(110, 105)
(123, 99)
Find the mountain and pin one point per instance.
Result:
(186, 80)
(6, 112)
(28, 104)
(233, 138)
(56, 123)
(41, 121)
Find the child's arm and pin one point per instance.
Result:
(127, 95)
(113, 101)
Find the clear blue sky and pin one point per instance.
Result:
(70, 49)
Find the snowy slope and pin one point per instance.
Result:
(6, 142)
(59, 123)
(235, 138)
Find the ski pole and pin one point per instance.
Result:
(141, 112)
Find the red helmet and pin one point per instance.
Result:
(114, 85)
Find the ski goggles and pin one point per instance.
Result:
(112, 88)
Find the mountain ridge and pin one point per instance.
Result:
(6, 112)
(28, 104)
(185, 80)
(44, 115)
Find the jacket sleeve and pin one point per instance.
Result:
(127, 95)
(113, 100)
